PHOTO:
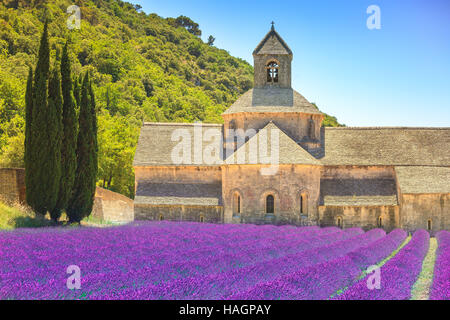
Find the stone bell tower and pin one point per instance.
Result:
(272, 62)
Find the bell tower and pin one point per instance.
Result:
(272, 62)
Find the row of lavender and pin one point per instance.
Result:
(121, 259)
(397, 276)
(224, 284)
(321, 280)
(201, 261)
(440, 289)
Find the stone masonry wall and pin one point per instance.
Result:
(112, 206)
(12, 184)
(417, 209)
(286, 186)
(362, 217)
(211, 214)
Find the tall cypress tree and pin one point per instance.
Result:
(39, 146)
(28, 120)
(69, 137)
(55, 133)
(82, 200)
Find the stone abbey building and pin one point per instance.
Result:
(273, 162)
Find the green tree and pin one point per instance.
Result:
(81, 203)
(28, 120)
(39, 147)
(69, 136)
(55, 134)
(211, 40)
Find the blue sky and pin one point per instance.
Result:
(396, 76)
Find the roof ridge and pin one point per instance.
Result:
(378, 128)
(181, 124)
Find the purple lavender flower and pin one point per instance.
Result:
(440, 289)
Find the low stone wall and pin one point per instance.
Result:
(112, 206)
(12, 184)
(211, 214)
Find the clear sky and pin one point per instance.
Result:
(398, 75)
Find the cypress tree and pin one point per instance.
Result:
(81, 203)
(39, 146)
(28, 144)
(55, 133)
(77, 90)
(69, 137)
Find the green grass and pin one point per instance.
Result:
(18, 216)
(421, 289)
(13, 216)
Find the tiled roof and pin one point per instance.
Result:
(357, 192)
(386, 146)
(414, 179)
(155, 145)
(272, 43)
(272, 99)
(289, 152)
(178, 194)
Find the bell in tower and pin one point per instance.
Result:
(272, 61)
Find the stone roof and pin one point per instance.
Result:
(155, 143)
(386, 146)
(423, 180)
(272, 99)
(357, 192)
(289, 152)
(200, 194)
(272, 43)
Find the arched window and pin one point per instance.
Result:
(236, 204)
(339, 222)
(272, 72)
(202, 218)
(380, 222)
(270, 206)
(429, 225)
(161, 217)
(303, 203)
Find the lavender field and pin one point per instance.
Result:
(168, 260)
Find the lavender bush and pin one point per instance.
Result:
(321, 280)
(168, 260)
(440, 289)
(397, 275)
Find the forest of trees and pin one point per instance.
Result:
(143, 68)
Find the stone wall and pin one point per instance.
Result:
(284, 71)
(112, 206)
(290, 182)
(362, 217)
(417, 209)
(211, 214)
(12, 184)
(295, 125)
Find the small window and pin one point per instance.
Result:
(339, 222)
(270, 206)
(303, 203)
(272, 72)
(380, 222)
(236, 204)
(161, 217)
(202, 218)
(429, 225)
